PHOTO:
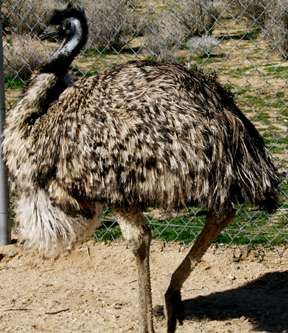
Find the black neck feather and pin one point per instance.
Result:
(60, 62)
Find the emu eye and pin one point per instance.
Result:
(60, 32)
(67, 25)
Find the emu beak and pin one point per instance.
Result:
(50, 34)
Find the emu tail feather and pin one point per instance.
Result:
(46, 228)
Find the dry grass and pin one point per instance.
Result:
(270, 17)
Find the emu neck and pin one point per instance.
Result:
(41, 92)
(69, 49)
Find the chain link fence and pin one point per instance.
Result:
(244, 41)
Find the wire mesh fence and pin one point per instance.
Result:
(244, 41)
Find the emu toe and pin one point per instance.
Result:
(173, 309)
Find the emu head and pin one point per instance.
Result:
(70, 26)
(70, 22)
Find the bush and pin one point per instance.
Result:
(108, 22)
(276, 28)
(182, 20)
(198, 16)
(255, 11)
(165, 37)
(203, 46)
(140, 20)
(27, 16)
(22, 55)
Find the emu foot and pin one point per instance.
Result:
(174, 309)
(158, 312)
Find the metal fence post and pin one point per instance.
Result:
(4, 221)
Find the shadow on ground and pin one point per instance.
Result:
(242, 36)
(263, 301)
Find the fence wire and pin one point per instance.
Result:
(244, 41)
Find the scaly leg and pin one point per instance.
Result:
(135, 230)
(173, 303)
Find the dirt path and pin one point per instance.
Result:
(94, 289)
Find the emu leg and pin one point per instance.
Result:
(173, 304)
(136, 231)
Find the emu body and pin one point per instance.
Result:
(142, 134)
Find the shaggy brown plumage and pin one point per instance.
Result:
(152, 134)
(143, 134)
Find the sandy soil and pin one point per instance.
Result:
(94, 289)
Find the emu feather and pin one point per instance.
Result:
(46, 228)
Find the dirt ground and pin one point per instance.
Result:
(94, 289)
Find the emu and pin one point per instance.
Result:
(143, 134)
